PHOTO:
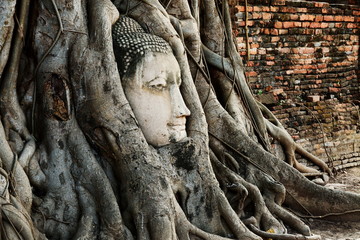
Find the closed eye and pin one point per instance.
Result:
(157, 84)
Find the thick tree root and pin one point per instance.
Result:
(103, 180)
(282, 236)
(278, 132)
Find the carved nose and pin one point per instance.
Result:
(180, 109)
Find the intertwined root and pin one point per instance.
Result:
(264, 203)
(278, 132)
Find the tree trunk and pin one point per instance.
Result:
(76, 165)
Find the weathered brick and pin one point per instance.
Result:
(319, 18)
(287, 9)
(321, 4)
(303, 57)
(256, 9)
(276, 9)
(278, 24)
(315, 25)
(288, 24)
(251, 74)
(294, 17)
(267, 16)
(334, 90)
(349, 19)
(329, 18)
(338, 18)
(324, 25)
(283, 31)
(305, 24)
(306, 17)
(351, 25)
(274, 32)
(275, 39)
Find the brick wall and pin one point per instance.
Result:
(302, 61)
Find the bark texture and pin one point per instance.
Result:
(74, 163)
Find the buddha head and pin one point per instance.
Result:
(150, 76)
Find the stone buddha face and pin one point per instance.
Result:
(152, 90)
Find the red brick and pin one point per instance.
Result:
(278, 2)
(250, 64)
(320, 66)
(305, 24)
(256, 9)
(303, 10)
(295, 50)
(306, 50)
(265, 9)
(338, 18)
(270, 63)
(274, 9)
(250, 9)
(283, 31)
(349, 19)
(309, 31)
(321, 4)
(267, 16)
(306, 17)
(288, 9)
(348, 48)
(278, 24)
(354, 38)
(275, 39)
(334, 90)
(324, 25)
(356, 13)
(318, 31)
(288, 24)
(300, 71)
(277, 91)
(284, 50)
(319, 18)
(339, 25)
(265, 31)
(274, 32)
(315, 25)
(256, 16)
(251, 74)
(329, 18)
(351, 25)
(240, 8)
(294, 16)
(297, 24)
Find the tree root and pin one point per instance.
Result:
(185, 228)
(271, 197)
(261, 215)
(282, 236)
(273, 126)
(277, 131)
